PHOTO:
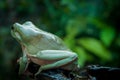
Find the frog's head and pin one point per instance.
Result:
(25, 33)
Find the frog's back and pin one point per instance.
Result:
(52, 42)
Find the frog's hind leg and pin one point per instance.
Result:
(59, 57)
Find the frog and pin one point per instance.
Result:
(42, 48)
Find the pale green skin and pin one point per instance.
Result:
(42, 48)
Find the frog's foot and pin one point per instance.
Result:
(18, 60)
(40, 69)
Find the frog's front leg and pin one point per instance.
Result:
(23, 63)
(59, 58)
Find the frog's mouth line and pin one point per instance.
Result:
(16, 35)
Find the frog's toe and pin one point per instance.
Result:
(38, 72)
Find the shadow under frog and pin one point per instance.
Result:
(42, 48)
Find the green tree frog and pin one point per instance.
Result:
(42, 48)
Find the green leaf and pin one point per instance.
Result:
(82, 56)
(96, 47)
(72, 27)
(70, 42)
(107, 35)
(75, 26)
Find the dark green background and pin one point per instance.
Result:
(88, 27)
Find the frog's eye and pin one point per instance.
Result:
(28, 23)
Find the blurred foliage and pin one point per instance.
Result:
(88, 27)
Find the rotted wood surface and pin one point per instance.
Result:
(91, 72)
